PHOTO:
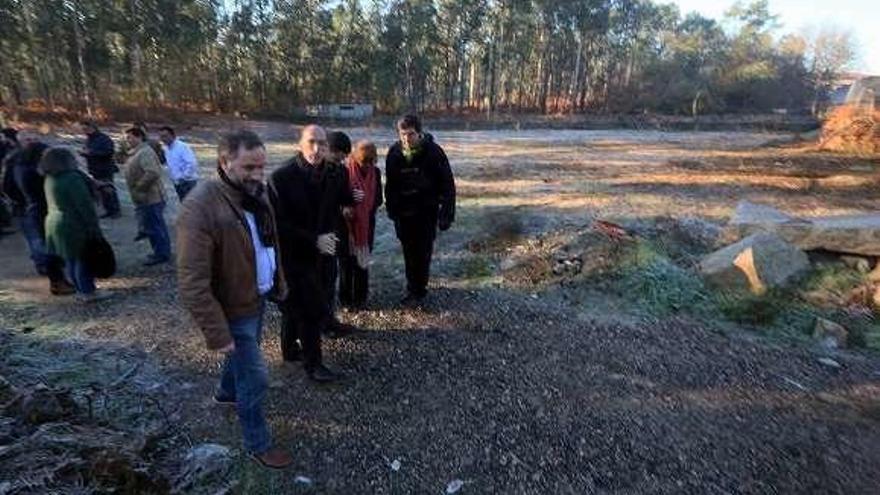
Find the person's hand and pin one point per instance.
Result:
(348, 212)
(358, 195)
(227, 348)
(327, 244)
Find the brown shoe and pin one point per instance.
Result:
(61, 288)
(274, 458)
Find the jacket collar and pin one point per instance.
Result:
(137, 148)
(300, 160)
(231, 193)
(235, 195)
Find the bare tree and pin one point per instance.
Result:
(829, 50)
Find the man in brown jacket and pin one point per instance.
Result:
(143, 174)
(227, 266)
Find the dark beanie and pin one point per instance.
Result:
(338, 141)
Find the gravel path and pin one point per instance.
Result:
(526, 400)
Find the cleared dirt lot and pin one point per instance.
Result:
(516, 389)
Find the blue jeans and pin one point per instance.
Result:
(45, 263)
(245, 379)
(79, 274)
(153, 224)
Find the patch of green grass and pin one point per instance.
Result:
(752, 309)
(836, 278)
(475, 267)
(658, 285)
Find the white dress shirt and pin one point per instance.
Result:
(265, 258)
(182, 163)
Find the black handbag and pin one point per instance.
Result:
(99, 258)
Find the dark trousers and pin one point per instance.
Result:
(301, 335)
(354, 283)
(329, 278)
(416, 234)
(308, 312)
(107, 192)
(5, 213)
(152, 222)
(82, 278)
(184, 187)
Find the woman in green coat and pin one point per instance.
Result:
(72, 219)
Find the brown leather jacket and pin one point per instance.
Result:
(216, 272)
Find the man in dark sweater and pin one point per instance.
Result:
(307, 193)
(419, 198)
(98, 152)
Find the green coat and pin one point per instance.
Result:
(72, 218)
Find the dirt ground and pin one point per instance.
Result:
(511, 388)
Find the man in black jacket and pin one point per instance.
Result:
(25, 185)
(307, 193)
(98, 152)
(419, 198)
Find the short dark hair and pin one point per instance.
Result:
(410, 121)
(33, 152)
(56, 160)
(137, 132)
(231, 142)
(339, 141)
(168, 129)
(89, 123)
(10, 133)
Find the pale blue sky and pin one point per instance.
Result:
(862, 17)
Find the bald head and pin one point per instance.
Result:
(313, 143)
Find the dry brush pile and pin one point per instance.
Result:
(852, 129)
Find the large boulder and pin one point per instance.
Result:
(854, 234)
(755, 264)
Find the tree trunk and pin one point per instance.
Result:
(574, 90)
(80, 59)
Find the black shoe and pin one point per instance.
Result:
(292, 352)
(322, 374)
(140, 236)
(61, 288)
(338, 329)
(223, 401)
(413, 299)
(155, 260)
